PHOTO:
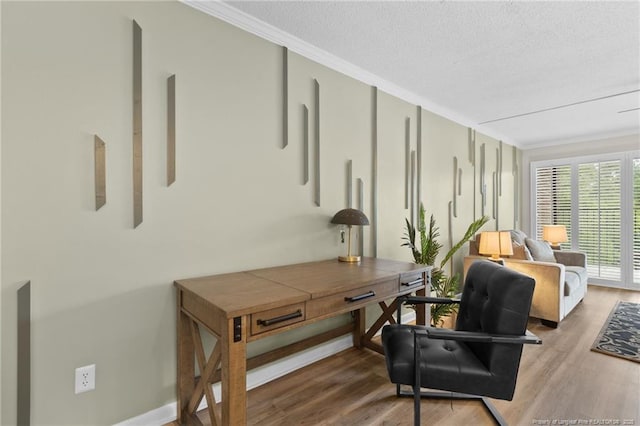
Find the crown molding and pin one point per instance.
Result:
(246, 22)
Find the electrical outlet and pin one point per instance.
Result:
(85, 378)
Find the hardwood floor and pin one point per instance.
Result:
(560, 380)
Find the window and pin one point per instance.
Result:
(553, 199)
(599, 218)
(598, 200)
(636, 220)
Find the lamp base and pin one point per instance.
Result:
(350, 259)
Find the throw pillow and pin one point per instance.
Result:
(518, 236)
(540, 250)
(519, 252)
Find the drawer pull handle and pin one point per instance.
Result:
(360, 297)
(281, 318)
(414, 282)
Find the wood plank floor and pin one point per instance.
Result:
(560, 380)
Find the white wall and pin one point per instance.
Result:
(102, 291)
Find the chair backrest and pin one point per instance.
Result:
(496, 300)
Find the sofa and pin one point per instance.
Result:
(561, 275)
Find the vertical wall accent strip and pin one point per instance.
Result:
(305, 144)
(349, 183)
(407, 154)
(374, 171)
(316, 195)
(171, 130)
(483, 183)
(494, 198)
(412, 212)
(500, 168)
(100, 170)
(137, 124)
(459, 181)
(24, 354)
(496, 190)
(285, 97)
(361, 208)
(516, 187)
(450, 233)
(472, 159)
(455, 186)
(419, 155)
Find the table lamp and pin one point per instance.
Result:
(350, 217)
(496, 244)
(554, 235)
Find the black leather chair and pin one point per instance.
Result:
(481, 357)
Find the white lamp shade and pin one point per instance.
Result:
(554, 234)
(496, 244)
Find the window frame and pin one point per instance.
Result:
(626, 205)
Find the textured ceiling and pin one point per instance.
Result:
(553, 65)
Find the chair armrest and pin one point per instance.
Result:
(468, 336)
(571, 258)
(419, 300)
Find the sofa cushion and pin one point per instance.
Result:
(520, 252)
(518, 236)
(540, 250)
(571, 282)
(581, 272)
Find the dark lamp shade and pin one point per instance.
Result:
(350, 217)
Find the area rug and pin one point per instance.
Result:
(620, 335)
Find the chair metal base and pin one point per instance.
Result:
(493, 411)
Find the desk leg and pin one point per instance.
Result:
(234, 375)
(423, 317)
(359, 325)
(186, 361)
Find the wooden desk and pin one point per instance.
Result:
(242, 307)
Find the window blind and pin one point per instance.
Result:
(599, 217)
(553, 199)
(636, 220)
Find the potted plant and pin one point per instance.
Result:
(427, 252)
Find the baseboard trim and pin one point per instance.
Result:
(258, 376)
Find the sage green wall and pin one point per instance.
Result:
(102, 291)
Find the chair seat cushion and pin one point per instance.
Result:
(446, 364)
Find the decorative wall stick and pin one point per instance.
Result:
(361, 208)
(374, 171)
(285, 97)
(100, 170)
(483, 183)
(407, 159)
(500, 168)
(419, 157)
(471, 135)
(413, 189)
(24, 355)
(455, 186)
(495, 198)
(516, 186)
(171, 130)
(349, 183)
(317, 142)
(459, 181)
(450, 233)
(137, 124)
(305, 144)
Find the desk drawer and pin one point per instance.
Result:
(411, 280)
(276, 318)
(352, 299)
